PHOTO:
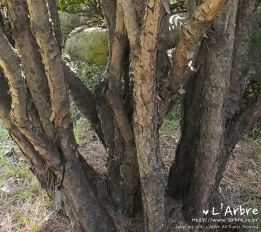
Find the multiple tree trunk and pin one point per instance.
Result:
(128, 106)
(209, 133)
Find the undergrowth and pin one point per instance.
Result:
(23, 204)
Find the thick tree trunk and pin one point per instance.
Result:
(214, 95)
(239, 123)
(207, 155)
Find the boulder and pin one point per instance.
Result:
(175, 23)
(171, 29)
(88, 45)
(69, 22)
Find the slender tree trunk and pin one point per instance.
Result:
(146, 120)
(179, 180)
(123, 174)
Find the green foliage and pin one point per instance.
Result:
(73, 6)
(171, 124)
(90, 74)
(90, 7)
(255, 133)
(4, 135)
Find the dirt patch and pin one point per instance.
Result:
(95, 155)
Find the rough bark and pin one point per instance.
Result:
(127, 125)
(239, 119)
(239, 73)
(123, 176)
(31, 61)
(231, 134)
(38, 165)
(191, 33)
(86, 211)
(219, 59)
(53, 10)
(143, 45)
(84, 217)
(179, 179)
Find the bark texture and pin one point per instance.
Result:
(191, 33)
(207, 156)
(146, 120)
(53, 156)
(218, 60)
(129, 104)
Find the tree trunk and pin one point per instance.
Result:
(127, 107)
(238, 123)
(207, 140)
(123, 174)
(54, 156)
(143, 44)
(180, 178)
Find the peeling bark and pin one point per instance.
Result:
(194, 29)
(126, 114)
(31, 61)
(146, 121)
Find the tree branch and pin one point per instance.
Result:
(109, 11)
(114, 74)
(10, 63)
(32, 64)
(37, 142)
(131, 21)
(52, 7)
(51, 57)
(238, 127)
(184, 52)
(84, 99)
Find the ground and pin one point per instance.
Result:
(24, 206)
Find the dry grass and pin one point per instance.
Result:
(23, 204)
(55, 222)
(27, 207)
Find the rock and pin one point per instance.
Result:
(171, 29)
(175, 23)
(88, 45)
(68, 21)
